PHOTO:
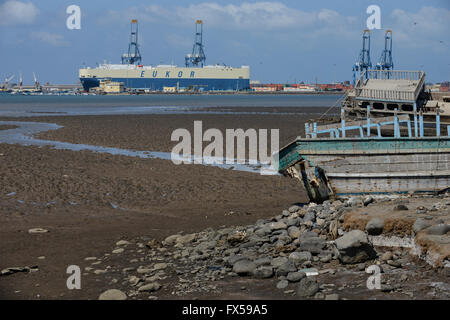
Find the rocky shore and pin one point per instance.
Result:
(300, 250)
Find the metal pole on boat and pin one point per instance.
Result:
(343, 122)
(438, 123)
(421, 123)
(396, 125)
(368, 120)
(415, 120)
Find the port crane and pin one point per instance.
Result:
(7, 80)
(386, 62)
(133, 56)
(197, 57)
(37, 85)
(363, 62)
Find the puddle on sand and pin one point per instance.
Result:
(23, 135)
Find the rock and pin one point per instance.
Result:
(90, 258)
(310, 216)
(368, 200)
(244, 267)
(401, 207)
(263, 261)
(236, 237)
(439, 229)
(11, 270)
(294, 232)
(286, 268)
(122, 243)
(278, 226)
(119, 250)
(325, 257)
(159, 266)
(263, 272)
(333, 296)
(420, 224)
(151, 287)
(113, 294)
(313, 245)
(170, 240)
(386, 256)
(279, 261)
(319, 295)
(394, 263)
(295, 276)
(307, 287)
(299, 257)
(375, 226)
(354, 247)
(282, 284)
(142, 270)
(186, 239)
(421, 210)
(37, 230)
(234, 258)
(294, 209)
(354, 202)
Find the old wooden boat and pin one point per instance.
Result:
(348, 159)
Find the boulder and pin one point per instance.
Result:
(420, 224)
(375, 226)
(439, 229)
(244, 267)
(307, 287)
(354, 247)
(113, 294)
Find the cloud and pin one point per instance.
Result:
(253, 17)
(428, 27)
(15, 12)
(49, 38)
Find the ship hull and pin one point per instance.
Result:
(208, 78)
(159, 84)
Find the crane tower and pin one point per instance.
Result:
(133, 56)
(197, 57)
(386, 62)
(363, 62)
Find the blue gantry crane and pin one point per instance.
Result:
(386, 62)
(133, 56)
(363, 62)
(197, 57)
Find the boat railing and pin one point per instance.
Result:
(364, 127)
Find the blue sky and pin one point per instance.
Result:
(281, 41)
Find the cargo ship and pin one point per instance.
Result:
(194, 76)
(206, 78)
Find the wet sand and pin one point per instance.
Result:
(88, 201)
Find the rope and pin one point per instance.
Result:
(334, 105)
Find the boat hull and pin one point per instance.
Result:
(336, 167)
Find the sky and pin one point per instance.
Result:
(282, 41)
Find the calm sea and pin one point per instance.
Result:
(18, 105)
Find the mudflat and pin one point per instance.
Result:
(87, 201)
